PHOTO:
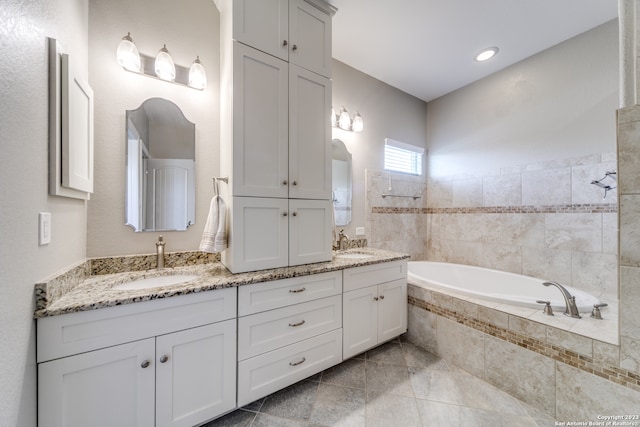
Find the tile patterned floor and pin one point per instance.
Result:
(395, 385)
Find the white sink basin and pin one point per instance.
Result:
(354, 256)
(156, 282)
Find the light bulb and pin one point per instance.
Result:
(345, 121)
(128, 55)
(165, 68)
(197, 75)
(358, 123)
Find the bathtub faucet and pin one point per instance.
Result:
(569, 300)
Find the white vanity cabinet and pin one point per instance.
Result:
(168, 362)
(275, 124)
(276, 134)
(297, 31)
(288, 330)
(375, 305)
(270, 233)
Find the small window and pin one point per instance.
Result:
(401, 157)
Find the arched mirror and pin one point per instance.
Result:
(160, 167)
(341, 182)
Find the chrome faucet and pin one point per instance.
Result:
(569, 300)
(160, 252)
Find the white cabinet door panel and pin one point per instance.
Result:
(309, 231)
(104, 388)
(195, 374)
(310, 34)
(360, 321)
(263, 24)
(260, 124)
(309, 135)
(392, 309)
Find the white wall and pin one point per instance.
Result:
(189, 28)
(387, 112)
(24, 27)
(557, 104)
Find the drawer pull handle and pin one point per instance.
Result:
(300, 323)
(296, 291)
(164, 358)
(301, 361)
(145, 364)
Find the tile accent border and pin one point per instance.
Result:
(573, 208)
(557, 353)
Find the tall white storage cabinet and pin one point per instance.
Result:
(275, 131)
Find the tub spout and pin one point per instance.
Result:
(569, 300)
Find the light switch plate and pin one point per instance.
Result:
(44, 228)
(359, 231)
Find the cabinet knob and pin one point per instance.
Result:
(295, 182)
(164, 358)
(381, 296)
(375, 298)
(294, 47)
(145, 364)
(298, 362)
(284, 182)
(284, 42)
(295, 214)
(284, 214)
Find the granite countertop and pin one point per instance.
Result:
(53, 297)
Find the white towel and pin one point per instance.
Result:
(214, 236)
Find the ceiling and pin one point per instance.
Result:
(426, 47)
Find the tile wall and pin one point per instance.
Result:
(629, 187)
(544, 219)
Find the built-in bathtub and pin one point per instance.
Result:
(494, 285)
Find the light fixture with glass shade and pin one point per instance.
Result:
(161, 66)
(344, 121)
(164, 66)
(358, 124)
(197, 75)
(128, 55)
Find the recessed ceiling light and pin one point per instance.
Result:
(486, 54)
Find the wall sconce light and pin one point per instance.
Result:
(344, 121)
(161, 67)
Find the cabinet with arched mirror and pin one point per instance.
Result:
(160, 167)
(341, 174)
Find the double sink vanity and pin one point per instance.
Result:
(183, 345)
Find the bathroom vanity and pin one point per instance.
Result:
(182, 354)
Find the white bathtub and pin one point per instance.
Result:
(494, 285)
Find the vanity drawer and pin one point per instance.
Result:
(368, 275)
(73, 333)
(280, 293)
(273, 329)
(269, 372)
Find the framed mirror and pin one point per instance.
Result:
(341, 182)
(160, 167)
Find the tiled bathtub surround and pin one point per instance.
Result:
(396, 222)
(569, 377)
(545, 220)
(629, 188)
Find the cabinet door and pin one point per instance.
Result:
(392, 309)
(260, 234)
(309, 135)
(263, 24)
(260, 124)
(195, 374)
(360, 320)
(114, 386)
(310, 34)
(309, 231)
